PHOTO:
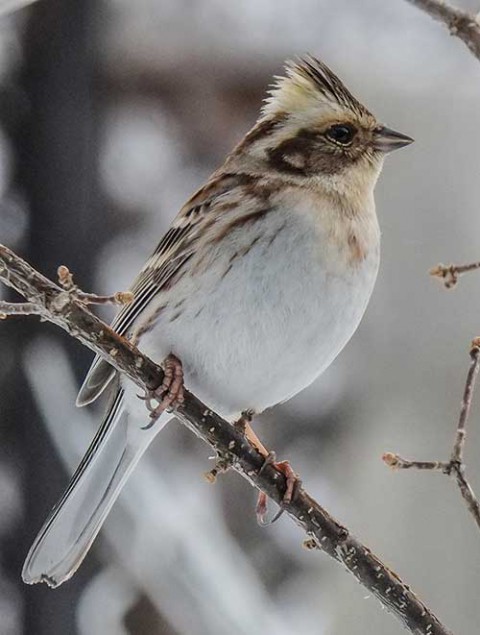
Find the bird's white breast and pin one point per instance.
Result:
(270, 308)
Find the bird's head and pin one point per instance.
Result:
(313, 128)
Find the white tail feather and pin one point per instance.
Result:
(75, 521)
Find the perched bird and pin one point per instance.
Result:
(259, 283)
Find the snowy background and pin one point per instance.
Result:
(111, 114)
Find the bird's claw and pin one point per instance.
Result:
(169, 394)
(293, 481)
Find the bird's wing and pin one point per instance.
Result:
(216, 200)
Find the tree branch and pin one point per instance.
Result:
(460, 23)
(465, 26)
(451, 273)
(455, 467)
(65, 278)
(63, 308)
(18, 308)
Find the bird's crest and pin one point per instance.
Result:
(308, 84)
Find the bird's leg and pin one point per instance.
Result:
(283, 467)
(245, 419)
(170, 393)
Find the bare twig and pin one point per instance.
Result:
(455, 467)
(450, 273)
(323, 531)
(459, 445)
(119, 298)
(460, 23)
(65, 278)
(18, 308)
(465, 26)
(397, 462)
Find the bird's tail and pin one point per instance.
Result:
(75, 521)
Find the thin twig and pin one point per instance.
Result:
(395, 461)
(450, 273)
(459, 23)
(18, 308)
(467, 492)
(118, 298)
(65, 278)
(455, 467)
(466, 27)
(459, 445)
(323, 531)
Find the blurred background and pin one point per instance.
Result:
(112, 113)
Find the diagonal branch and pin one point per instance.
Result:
(324, 533)
(455, 467)
(461, 24)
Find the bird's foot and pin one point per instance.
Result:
(243, 425)
(169, 394)
(293, 481)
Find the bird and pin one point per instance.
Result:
(256, 287)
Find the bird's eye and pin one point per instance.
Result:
(341, 133)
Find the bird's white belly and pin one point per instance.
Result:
(257, 328)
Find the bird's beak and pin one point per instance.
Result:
(386, 140)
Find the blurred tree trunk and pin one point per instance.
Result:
(56, 170)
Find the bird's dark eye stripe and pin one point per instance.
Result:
(341, 133)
